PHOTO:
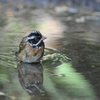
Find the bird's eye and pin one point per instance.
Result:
(38, 37)
(30, 40)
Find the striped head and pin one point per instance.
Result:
(35, 39)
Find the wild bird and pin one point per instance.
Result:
(31, 48)
(31, 77)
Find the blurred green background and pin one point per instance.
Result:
(72, 62)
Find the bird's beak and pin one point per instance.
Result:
(43, 38)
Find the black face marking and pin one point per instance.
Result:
(36, 38)
(36, 34)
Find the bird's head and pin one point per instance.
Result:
(35, 38)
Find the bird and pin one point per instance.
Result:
(31, 77)
(31, 48)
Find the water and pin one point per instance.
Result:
(69, 73)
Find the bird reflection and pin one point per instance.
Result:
(31, 77)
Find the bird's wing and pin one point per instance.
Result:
(22, 45)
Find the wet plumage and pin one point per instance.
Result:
(31, 48)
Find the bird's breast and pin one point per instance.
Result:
(29, 54)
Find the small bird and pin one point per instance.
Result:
(31, 48)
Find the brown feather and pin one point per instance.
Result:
(27, 52)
